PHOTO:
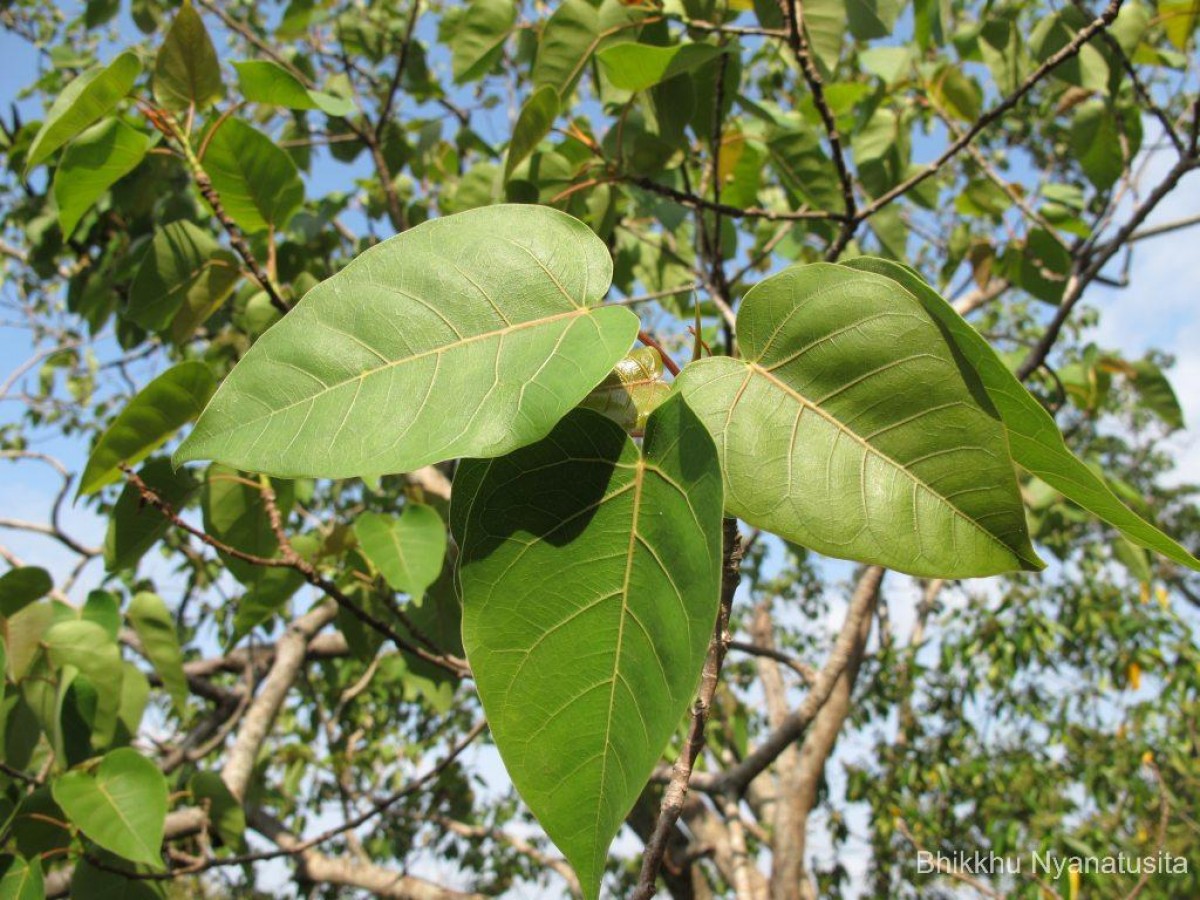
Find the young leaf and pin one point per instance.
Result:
(21, 879)
(155, 627)
(590, 579)
(482, 30)
(852, 427)
(1033, 437)
(255, 178)
(91, 164)
(469, 335)
(20, 587)
(632, 391)
(636, 67)
(187, 71)
(122, 807)
(184, 278)
(171, 400)
(265, 81)
(408, 550)
(533, 124)
(85, 100)
(134, 526)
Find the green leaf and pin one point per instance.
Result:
(88, 98)
(234, 513)
(187, 71)
(533, 124)
(568, 39)
(590, 577)
(184, 278)
(825, 21)
(255, 177)
(1179, 19)
(956, 93)
(1087, 69)
(163, 406)
(155, 627)
(20, 587)
(870, 19)
(1155, 392)
(1096, 142)
(408, 550)
(21, 879)
(469, 335)
(23, 632)
(852, 427)
(1034, 439)
(264, 81)
(134, 526)
(88, 648)
(224, 811)
(94, 162)
(122, 807)
(481, 33)
(90, 882)
(636, 67)
(103, 608)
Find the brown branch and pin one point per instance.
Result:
(672, 366)
(793, 13)
(677, 788)
(292, 560)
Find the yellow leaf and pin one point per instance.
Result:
(1164, 599)
(1145, 595)
(1073, 881)
(1135, 676)
(1147, 757)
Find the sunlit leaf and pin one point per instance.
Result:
(167, 403)
(265, 81)
(93, 163)
(155, 628)
(407, 550)
(121, 807)
(848, 413)
(186, 70)
(255, 178)
(469, 335)
(636, 67)
(1036, 443)
(86, 99)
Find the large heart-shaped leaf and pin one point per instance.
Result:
(85, 100)
(590, 577)
(93, 163)
(1036, 443)
(469, 335)
(853, 426)
(122, 807)
(157, 412)
(408, 551)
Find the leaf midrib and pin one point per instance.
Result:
(845, 429)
